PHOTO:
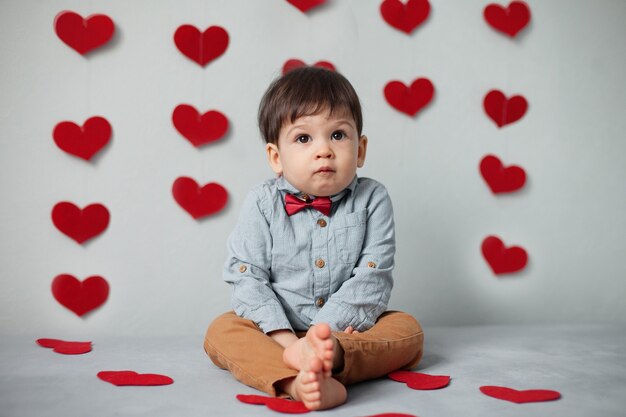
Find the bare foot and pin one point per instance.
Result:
(319, 343)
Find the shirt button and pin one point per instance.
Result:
(371, 264)
(319, 302)
(243, 268)
(320, 263)
(321, 223)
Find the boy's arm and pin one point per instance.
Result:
(364, 296)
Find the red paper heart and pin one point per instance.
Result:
(124, 378)
(405, 17)
(281, 405)
(80, 225)
(201, 47)
(501, 259)
(504, 111)
(419, 381)
(80, 297)
(83, 141)
(409, 100)
(83, 35)
(519, 397)
(199, 202)
(509, 20)
(499, 178)
(306, 5)
(199, 129)
(65, 348)
(296, 63)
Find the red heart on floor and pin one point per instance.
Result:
(405, 17)
(499, 178)
(509, 20)
(501, 259)
(64, 347)
(124, 378)
(306, 5)
(80, 225)
(199, 129)
(83, 35)
(80, 297)
(82, 141)
(201, 47)
(412, 99)
(281, 405)
(504, 111)
(296, 63)
(419, 381)
(197, 201)
(519, 397)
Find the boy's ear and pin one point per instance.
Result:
(273, 157)
(362, 150)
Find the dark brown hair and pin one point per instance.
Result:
(303, 92)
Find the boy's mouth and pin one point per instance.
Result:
(324, 169)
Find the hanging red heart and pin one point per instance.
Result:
(504, 111)
(83, 35)
(65, 348)
(80, 225)
(501, 259)
(519, 397)
(80, 297)
(405, 16)
(199, 202)
(199, 129)
(201, 47)
(83, 141)
(292, 64)
(306, 5)
(125, 378)
(282, 405)
(499, 178)
(409, 100)
(509, 20)
(419, 381)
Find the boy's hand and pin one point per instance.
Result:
(350, 330)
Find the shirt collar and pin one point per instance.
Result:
(284, 185)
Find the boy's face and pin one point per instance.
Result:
(318, 154)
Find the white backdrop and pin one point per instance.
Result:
(164, 268)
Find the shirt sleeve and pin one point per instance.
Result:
(247, 269)
(363, 297)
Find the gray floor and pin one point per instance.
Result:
(586, 364)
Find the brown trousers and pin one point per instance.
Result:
(255, 359)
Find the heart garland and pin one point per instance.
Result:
(405, 17)
(409, 100)
(281, 405)
(65, 348)
(419, 381)
(199, 129)
(294, 63)
(499, 178)
(503, 110)
(199, 201)
(520, 397)
(508, 20)
(306, 5)
(80, 297)
(204, 47)
(80, 224)
(83, 141)
(83, 35)
(501, 259)
(125, 378)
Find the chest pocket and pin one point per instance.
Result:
(349, 231)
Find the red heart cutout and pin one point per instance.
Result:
(292, 64)
(83, 35)
(499, 178)
(519, 397)
(124, 378)
(419, 381)
(509, 20)
(405, 17)
(83, 141)
(501, 259)
(199, 129)
(80, 225)
(199, 202)
(201, 47)
(504, 111)
(409, 100)
(80, 297)
(306, 5)
(281, 405)
(65, 348)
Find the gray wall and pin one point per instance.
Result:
(164, 267)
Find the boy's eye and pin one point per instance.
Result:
(303, 139)
(338, 135)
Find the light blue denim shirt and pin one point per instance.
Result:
(289, 272)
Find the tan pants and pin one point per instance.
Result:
(255, 359)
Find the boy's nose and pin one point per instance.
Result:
(324, 150)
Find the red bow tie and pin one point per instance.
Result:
(293, 204)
